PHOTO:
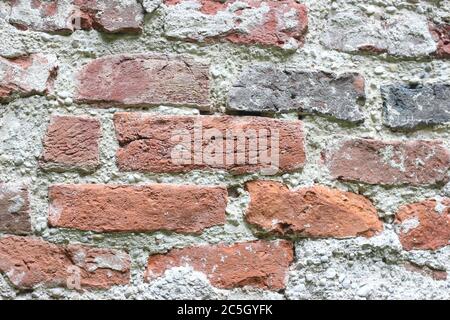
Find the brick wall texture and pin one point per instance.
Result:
(206, 149)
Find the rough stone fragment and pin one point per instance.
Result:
(418, 162)
(28, 262)
(267, 23)
(424, 225)
(144, 80)
(151, 5)
(14, 209)
(409, 107)
(144, 208)
(441, 34)
(113, 16)
(150, 143)
(316, 212)
(66, 16)
(72, 143)
(26, 75)
(258, 264)
(265, 88)
(405, 34)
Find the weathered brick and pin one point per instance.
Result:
(258, 264)
(441, 34)
(409, 107)
(71, 143)
(267, 23)
(405, 34)
(424, 225)
(26, 75)
(150, 143)
(427, 271)
(108, 208)
(144, 80)
(113, 16)
(419, 162)
(264, 88)
(50, 16)
(316, 212)
(65, 16)
(14, 209)
(28, 262)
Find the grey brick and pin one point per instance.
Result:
(265, 88)
(408, 107)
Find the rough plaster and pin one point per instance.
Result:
(354, 268)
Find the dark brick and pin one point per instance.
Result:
(269, 89)
(409, 107)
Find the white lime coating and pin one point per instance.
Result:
(185, 20)
(24, 13)
(350, 31)
(363, 268)
(151, 5)
(446, 190)
(409, 224)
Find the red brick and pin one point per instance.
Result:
(147, 142)
(144, 80)
(441, 33)
(106, 208)
(267, 23)
(72, 143)
(258, 264)
(26, 75)
(371, 161)
(111, 16)
(316, 212)
(14, 209)
(424, 225)
(28, 262)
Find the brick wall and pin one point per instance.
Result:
(97, 200)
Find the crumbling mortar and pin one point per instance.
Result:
(82, 46)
